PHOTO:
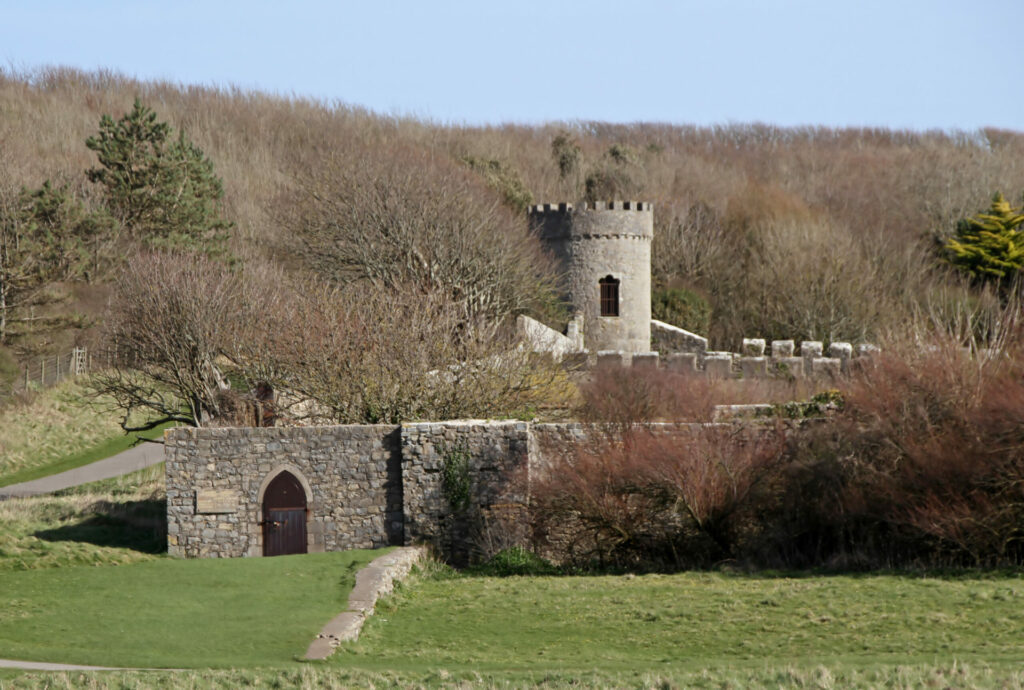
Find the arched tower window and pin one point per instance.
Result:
(609, 296)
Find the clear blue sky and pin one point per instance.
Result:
(908, 64)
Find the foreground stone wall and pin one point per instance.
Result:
(216, 477)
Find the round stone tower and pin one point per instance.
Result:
(604, 250)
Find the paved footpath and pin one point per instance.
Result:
(42, 666)
(141, 456)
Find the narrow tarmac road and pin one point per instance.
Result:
(43, 666)
(141, 456)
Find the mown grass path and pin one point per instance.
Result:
(174, 613)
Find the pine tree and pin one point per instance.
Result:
(989, 246)
(163, 189)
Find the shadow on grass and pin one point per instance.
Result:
(137, 525)
(518, 561)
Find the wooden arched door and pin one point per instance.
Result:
(284, 516)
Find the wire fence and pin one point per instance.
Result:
(52, 369)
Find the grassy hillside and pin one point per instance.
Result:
(806, 232)
(50, 426)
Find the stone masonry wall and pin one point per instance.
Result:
(215, 477)
(497, 455)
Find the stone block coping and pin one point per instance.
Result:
(375, 580)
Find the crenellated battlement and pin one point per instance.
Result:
(752, 363)
(642, 206)
(540, 209)
(599, 221)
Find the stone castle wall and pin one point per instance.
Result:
(783, 360)
(366, 486)
(495, 457)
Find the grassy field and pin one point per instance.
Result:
(58, 430)
(677, 625)
(116, 521)
(85, 579)
(175, 613)
(711, 630)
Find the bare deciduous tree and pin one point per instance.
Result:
(361, 354)
(183, 326)
(165, 324)
(408, 220)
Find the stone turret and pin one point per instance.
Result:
(604, 251)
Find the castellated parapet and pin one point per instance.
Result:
(604, 252)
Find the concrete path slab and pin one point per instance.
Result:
(141, 456)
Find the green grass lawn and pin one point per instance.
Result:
(692, 623)
(84, 578)
(707, 630)
(173, 613)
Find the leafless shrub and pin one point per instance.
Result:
(923, 466)
(679, 498)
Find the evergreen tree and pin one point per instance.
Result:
(162, 188)
(989, 246)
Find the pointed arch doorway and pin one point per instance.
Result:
(284, 516)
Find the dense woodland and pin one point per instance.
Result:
(350, 259)
(803, 233)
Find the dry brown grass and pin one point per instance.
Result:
(56, 423)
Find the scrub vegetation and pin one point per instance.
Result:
(915, 460)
